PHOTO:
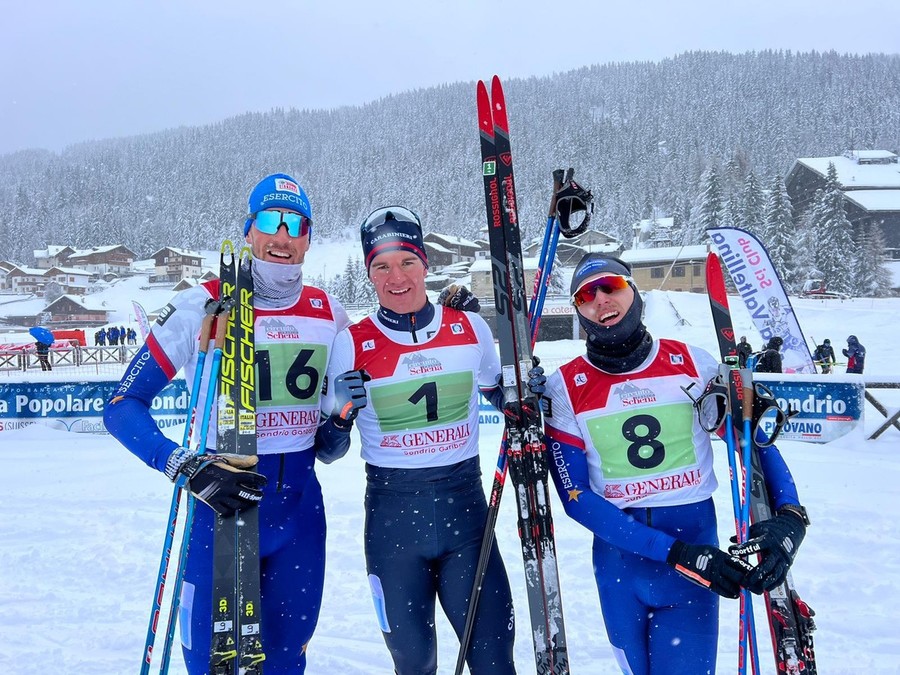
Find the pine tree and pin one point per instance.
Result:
(835, 247)
(753, 206)
(777, 232)
(870, 274)
(708, 213)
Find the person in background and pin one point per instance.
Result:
(856, 355)
(744, 350)
(283, 482)
(101, 337)
(770, 359)
(632, 463)
(42, 349)
(824, 356)
(410, 376)
(112, 335)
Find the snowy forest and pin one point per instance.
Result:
(705, 137)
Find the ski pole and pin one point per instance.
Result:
(223, 307)
(487, 540)
(747, 446)
(205, 329)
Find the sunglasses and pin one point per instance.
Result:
(608, 285)
(269, 222)
(768, 419)
(380, 216)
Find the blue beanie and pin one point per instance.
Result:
(597, 263)
(278, 191)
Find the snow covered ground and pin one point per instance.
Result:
(80, 542)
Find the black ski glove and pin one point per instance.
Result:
(537, 381)
(222, 482)
(459, 297)
(349, 397)
(709, 567)
(776, 540)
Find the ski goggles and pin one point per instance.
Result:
(608, 285)
(768, 419)
(269, 222)
(379, 217)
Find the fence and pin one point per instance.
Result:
(80, 360)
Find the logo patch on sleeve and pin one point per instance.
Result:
(164, 315)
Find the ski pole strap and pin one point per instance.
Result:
(571, 201)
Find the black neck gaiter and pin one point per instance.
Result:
(621, 347)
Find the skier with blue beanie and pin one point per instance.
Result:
(281, 482)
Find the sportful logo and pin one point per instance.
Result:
(283, 185)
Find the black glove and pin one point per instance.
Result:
(776, 540)
(459, 297)
(222, 482)
(537, 381)
(709, 567)
(349, 397)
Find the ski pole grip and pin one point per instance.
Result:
(557, 186)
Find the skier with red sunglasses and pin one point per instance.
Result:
(632, 463)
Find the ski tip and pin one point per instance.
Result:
(498, 105)
(227, 248)
(485, 117)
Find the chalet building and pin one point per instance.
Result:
(21, 279)
(103, 260)
(72, 311)
(870, 181)
(72, 280)
(52, 256)
(443, 249)
(174, 264)
(671, 268)
(5, 268)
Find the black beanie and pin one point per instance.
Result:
(392, 229)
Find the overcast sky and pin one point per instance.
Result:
(75, 70)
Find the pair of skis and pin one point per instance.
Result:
(790, 619)
(236, 644)
(524, 439)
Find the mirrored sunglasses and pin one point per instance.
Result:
(380, 216)
(609, 285)
(269, 222)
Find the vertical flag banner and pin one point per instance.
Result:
(143, 321)
(757, 282)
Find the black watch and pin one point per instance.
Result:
(798, 510)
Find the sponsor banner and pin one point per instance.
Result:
(79, 406)
(755, 278)
(830, 406)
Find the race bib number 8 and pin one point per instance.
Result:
(420, 403)
(633, 443)
(290, 372)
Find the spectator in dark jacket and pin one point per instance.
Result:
(856, 355)
(43, 354)
(744, 350)
(824, 356)
(770, 361)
